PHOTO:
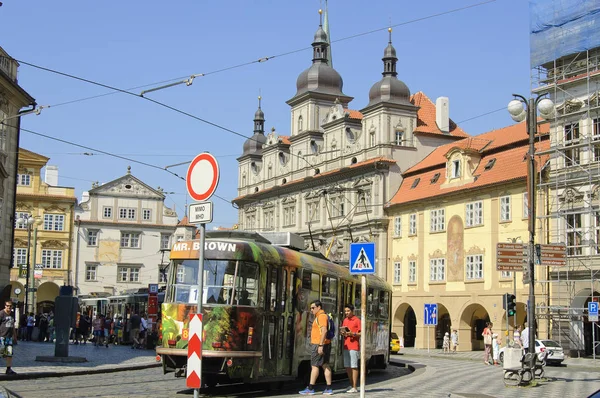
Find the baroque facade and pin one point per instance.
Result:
(446, 219)
(12, 101)
(327, 180)
(123, 230)
(46, 246)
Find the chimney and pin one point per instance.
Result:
(442, 114)
(51, 177)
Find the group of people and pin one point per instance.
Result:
(492, 342)
(106, 329)
(321, 348)
(43, 323)
(450, 342)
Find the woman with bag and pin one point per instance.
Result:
(487, 342)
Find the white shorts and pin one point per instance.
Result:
(351, 358)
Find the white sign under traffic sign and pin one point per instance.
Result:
(202, 177)
(201, 213)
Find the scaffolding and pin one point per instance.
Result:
(571, 188)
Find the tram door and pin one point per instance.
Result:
(345, 296)
(286, 322)
(272, 322)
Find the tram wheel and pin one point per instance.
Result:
(512, 378)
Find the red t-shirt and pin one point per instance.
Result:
(351, 342)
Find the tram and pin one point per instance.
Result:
(256, 309)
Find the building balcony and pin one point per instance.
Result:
(9, 66)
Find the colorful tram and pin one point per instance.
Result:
(256, 298)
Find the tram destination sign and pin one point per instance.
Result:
(510, 256)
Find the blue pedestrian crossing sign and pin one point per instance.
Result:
(431, 314)
(362, 258)
(593, 311)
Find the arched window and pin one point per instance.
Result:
(300, 124)
(300, 160)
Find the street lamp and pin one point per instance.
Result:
(28, 221)
(527, 109)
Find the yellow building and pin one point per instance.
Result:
(46, 243)
(446, 218)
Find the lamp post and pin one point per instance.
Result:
(527, 109)
(28, 221)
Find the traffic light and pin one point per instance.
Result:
(505, 300)
(511, 305)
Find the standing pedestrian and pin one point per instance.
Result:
(446, 343)
(517, 337)
(98, 332)
(454, 340)
(7, 334)
(351, 332)
(143, 331)
(487, 342)
(525, 339)
(30, 325)
(495, 347)
(136, 323)
(320, 349)
(107, 329)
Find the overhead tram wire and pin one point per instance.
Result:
(112, 155)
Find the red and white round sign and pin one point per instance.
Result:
(202, 177)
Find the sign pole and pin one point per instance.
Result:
(428, 337)
(363, 334)
(200, 293)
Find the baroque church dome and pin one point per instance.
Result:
(254, 144)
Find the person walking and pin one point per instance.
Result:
(320, 349)
(496, 342)
(97, 325)
(143, 331)
(30, 325)
(8, 334)
(487, 342)
(454, 340)
(446, 343)
(525, 339)
(517, 337)
(351, 332)
(136, 323)
(107, 329)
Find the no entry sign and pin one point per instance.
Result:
(202, 177)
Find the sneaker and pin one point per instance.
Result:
(10, 372)
(352, 390)
(307, 391)
(328, 391)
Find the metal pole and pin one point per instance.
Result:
(200, 292)
(363, 334)
(27, 265)
(531, 130)
(30, 281)
(515, 293)
(506, 312)
(77, 259)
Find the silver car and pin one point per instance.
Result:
(555, 354)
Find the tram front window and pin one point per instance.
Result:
(225, 282)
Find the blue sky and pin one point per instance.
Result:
(477, 57)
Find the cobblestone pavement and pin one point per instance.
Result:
(99, 359)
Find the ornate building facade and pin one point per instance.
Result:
(46, 243)
(123, 230)
(12, 100)
(328, 179)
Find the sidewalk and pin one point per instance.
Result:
(99, 360)
(478, 356)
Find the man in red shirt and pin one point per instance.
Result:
(351, 332)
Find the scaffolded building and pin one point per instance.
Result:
(565, 60)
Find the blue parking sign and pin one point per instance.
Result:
(593, 311)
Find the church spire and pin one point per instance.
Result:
(327, 32)
(259, 119)
(389, 58)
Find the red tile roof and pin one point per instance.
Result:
(285, 139)
(510, 164)
(482, 143)
(185, 222)
(321, 175)
(352, 114)
(426, 117)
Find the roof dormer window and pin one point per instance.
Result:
(455, 172)
(490, 164)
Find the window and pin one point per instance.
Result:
(490, 164)
(300, 126)
(372, 139)
(475, 267)
(23, 179)
(24, 216)
(399, 138)
(397, 272)
(412, 271)
(107, 212)
(437, 269)
(20, 256)
(52, 258)
(289, 214)
(596, 129)
(54, 222)
(597, 220)
(130, 239)
(474, 214)
(128, 274)
(146, 214)
(92, 237)
(269, 218)
(3, 129)
(525, 205)
(164, 241)
(126, 213)
(574, 234)
(91, 272)
(435, 178)
(397, 227)
(571, 139)
(506, 274)
(455, 173)
(162, 275)
(415, 183)
(314, 147)
(505, 210)
(438, 220)
(412, 224)
(312, 209)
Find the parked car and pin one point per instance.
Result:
(394, 343)
(555, 355)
